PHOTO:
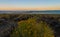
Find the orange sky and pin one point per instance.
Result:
(30, 8)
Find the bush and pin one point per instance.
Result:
(30, 28)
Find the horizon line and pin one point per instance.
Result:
(27, 10)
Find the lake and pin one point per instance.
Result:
(31, 12)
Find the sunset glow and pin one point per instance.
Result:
(29, 5)
(37, 8)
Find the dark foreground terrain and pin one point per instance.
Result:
(9, 23)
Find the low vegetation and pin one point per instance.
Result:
(29, 25)
(30, 28)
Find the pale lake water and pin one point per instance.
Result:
(30, 12)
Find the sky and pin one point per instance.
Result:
(29, 4)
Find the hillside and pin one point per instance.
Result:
(13, 25)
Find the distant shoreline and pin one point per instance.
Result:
(31, 12)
